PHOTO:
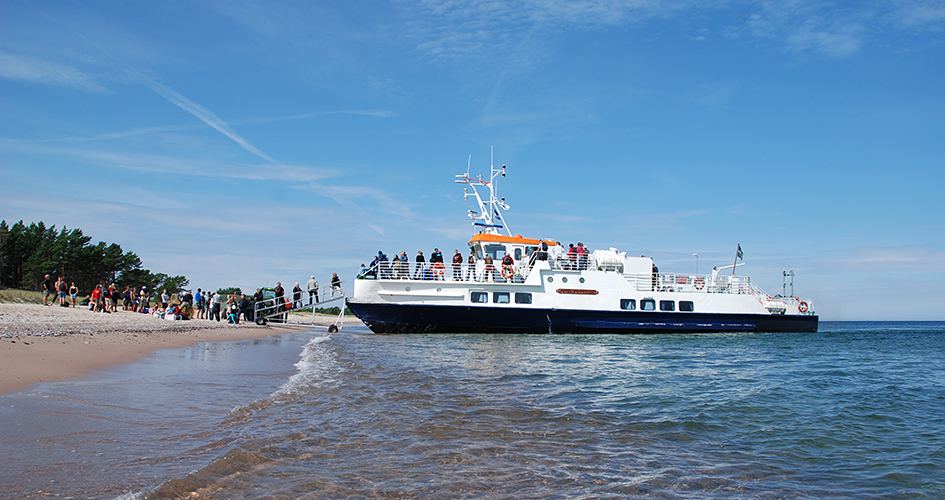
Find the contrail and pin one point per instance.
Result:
(204, 115)
(184, 103)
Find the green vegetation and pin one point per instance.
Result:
(27, 253)
(21, 296)
(230, 291)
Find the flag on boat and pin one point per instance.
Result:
(739, 253)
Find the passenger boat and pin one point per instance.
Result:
(548, 290)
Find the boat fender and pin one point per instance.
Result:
(802, 307)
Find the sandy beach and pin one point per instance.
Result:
(51, 343)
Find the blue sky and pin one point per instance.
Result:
(240, 143)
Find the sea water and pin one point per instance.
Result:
(856, 410)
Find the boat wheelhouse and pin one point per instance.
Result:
(543, 288)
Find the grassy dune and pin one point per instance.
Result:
(21, 296)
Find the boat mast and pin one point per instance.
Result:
(489, 219)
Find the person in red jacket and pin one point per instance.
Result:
(457, 266)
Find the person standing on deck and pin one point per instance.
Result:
(297, 296)
(312, 287)
(471, 262)
(457, 266)
(335, 284)
(280, 294)
(508, 267)
(420, 264)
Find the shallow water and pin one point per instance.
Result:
(856, 410)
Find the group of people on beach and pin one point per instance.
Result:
(183, 306)
(59, 290)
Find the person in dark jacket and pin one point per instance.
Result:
(297, 296)
(246, 308)
(421, 262)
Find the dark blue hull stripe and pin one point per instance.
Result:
(399, 318)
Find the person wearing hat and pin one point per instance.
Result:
(312, 287)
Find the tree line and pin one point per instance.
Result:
(28, 253)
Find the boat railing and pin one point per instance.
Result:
(427, 271)
(519, 272)
(691, 283)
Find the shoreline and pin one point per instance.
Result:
(57, 344)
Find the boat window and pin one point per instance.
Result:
(500, 297)
(648, 305)
(667, 305)
(518, 254)
(685, 305)
(479, 297)
(478, 250)
(628, 304)
(523, 298)
(497, 252)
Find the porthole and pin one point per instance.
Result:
(581, 280)
(550, 279)
(564, 279)
(407, 289)
(438, 289)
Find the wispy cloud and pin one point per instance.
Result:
(460, 29)
(374, 113)
(922, 13)
(204, 115)
(22, 68)
(892, 259)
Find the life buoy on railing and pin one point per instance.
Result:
(802, 307)
(698, 283)
(507, 272)
(438, 268)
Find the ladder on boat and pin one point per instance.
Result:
(277, 309)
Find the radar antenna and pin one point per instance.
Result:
(489, 219)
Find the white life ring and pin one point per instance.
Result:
(802, 307)
(698, 283)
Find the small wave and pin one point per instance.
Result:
(312, 369)
(136, 495)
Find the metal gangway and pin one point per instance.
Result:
(277, 309)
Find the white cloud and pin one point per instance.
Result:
(839, 41)
(922, 13)
(22, 68)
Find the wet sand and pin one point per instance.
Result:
(51, 343)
